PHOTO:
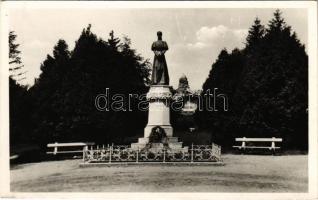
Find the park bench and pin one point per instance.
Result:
(258, 143)
(68, 148)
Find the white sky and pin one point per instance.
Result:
(194, 36)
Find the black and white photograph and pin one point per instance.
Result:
(159, 99)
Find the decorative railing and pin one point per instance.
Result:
(122, 153)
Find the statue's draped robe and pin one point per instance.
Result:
(160, 74)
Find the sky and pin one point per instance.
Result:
(195, 36)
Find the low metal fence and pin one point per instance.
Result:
(124, 153)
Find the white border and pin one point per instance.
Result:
(159, 4)
(313, 75)
(4, 103)
(312, 52)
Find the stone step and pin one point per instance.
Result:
(175, 145)
(173, 139)
(136, 146)
(145, 140)
(157, 145)
(171, 145)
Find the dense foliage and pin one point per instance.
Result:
(267, 88)
(19, 105)
(63, 97)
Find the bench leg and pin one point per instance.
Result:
(55, 151)
(242, 151)
(272, 151)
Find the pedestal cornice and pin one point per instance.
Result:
(157, 92)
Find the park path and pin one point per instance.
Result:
(242, 173)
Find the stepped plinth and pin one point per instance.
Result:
(158, 133)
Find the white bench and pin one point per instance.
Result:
(245, 143)
(81, 147)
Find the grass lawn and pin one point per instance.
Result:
(242, 173)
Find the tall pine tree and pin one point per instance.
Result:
(20, 104)
(269, 94)
(16, 69)
(70, 81)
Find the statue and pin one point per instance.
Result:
(160, 74)
(158, 134)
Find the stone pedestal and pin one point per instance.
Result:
(159, 109)
(159, 97)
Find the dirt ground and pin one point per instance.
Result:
(241, 173)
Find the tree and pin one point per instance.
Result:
(113, 41)
(288, 68)
(267, 86)
(223, 78)
(70, 81)
(255, 35)
(20, 104)
(48, 95)
(16, 67)
(277, 24)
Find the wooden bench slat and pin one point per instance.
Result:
(70, 144)
(52, 152)
(256, 147)
(258, 139)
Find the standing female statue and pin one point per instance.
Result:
(160, 74)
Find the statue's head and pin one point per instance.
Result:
(159, 34)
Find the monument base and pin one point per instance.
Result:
(171, 144)
(159, 97)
